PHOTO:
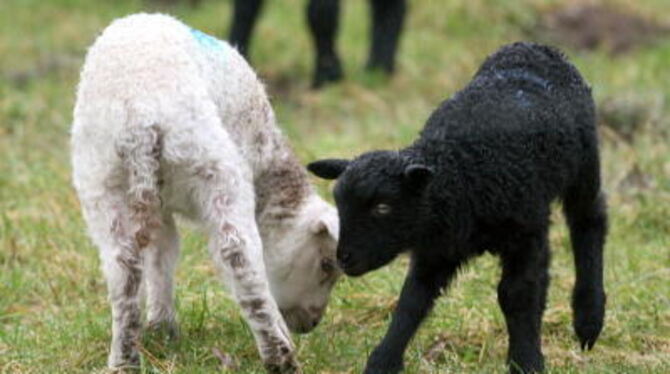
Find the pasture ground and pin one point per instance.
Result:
(54, 317)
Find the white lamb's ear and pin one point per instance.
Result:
(319, 227)
(322, 226)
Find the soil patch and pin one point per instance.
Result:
(614, 29)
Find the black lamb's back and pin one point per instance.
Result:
(545, 62)
(514, 138)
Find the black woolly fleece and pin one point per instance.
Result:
(518, 136)
(481, 177)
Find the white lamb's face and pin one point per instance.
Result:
(302, 284)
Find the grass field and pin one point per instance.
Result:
(54, 317)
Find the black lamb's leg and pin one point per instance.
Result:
(423, 284)
(587, 218)
(323, 19)
(387, 21)
(245, 14)
(522, 296)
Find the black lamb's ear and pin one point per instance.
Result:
(328, 168)
(418, 175)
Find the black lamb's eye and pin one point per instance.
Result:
(381, 209)
(327, 265)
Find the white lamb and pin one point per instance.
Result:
(170, 120)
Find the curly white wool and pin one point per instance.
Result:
(171, 120)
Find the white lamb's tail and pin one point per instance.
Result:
(140, 150)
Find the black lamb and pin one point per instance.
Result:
(481, 177)
(322, 17)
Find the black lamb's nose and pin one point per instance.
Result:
(344, 259)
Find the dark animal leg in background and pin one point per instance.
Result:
(245, 14)
(422, 285)
(522, 295)
(587, 219)
(323, 18)
(387, 22)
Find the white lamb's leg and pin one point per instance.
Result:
(110, 226)
(226, 203)
(160, 260)
(236, 248)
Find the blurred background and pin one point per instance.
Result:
(54, 317)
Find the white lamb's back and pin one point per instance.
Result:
(153, 70)
(154, 67)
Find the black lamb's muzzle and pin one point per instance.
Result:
(356, 270)
(349, 262)
(346, 261)
(355, 264)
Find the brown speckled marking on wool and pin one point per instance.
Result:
(145, 215)
(283, 187)
(231, 250)
(253, 304)
(132, 265)
(291, 181)
(260, 316)
(280, 183)
(129, 317)
(143, 144)
(284, 364)
(255, 308)
(274, 347)
(237, 260)
(231, 234)
(142, 237)
(260, 139)
(130, 325)
(232, 253)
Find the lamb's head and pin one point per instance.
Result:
(378, 198)
(301, 263)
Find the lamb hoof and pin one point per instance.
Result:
(131, 365)
(528, 368)
(375, 64)
(327, 71)
(382, 371)
(164, 331)
(382, 368)
(588, 333)
(589, 314)
(288, 367)
(123, 370)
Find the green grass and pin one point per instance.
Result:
(54, 317)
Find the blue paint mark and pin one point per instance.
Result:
(207, 41)
(522, 99)
(525, 75)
